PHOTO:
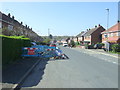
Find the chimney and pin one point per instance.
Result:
(89, 28)
(21, 23)
(8, 14)
(25, 26)
(13, 17)
(95, 26)
(118, 21)
(99, 25)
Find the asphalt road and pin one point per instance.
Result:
(81, 70)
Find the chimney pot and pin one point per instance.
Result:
(8, 14)
(118, 21)
(99, 25)
(13, 17)
(21, 23)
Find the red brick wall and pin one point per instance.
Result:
(96, 36)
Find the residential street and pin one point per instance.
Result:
(83, 69)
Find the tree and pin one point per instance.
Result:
(47, 40)
(67, 39)
(72, 43)
(50, 36)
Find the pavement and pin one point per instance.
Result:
(14, 74)
(101, 54)
(100, 51)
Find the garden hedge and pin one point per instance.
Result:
(115, 47)
(12, 47)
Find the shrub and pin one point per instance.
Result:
(115, 47)
(101, 44)
(72, 43)
(77, 43)
(89, 46)
(12, 47)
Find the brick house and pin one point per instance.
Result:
(9, 26)
(112, 35)
(80, 36)
(93, 36)
(75, 39)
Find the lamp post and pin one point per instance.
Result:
(108, 46)
(107, 17)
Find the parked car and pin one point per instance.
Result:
(33, 43)
(52, 45)
(98, 46)
(65, 44)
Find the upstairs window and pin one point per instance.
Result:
(118, 34)
(10, 27)
(105, 35)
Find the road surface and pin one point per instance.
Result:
(81, 70)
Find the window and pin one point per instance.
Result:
(111, 34)
(10, 27)
(118, 34)
(105, 35)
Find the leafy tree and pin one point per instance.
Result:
(47, 40)
(50, 36)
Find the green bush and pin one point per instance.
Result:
(12, 47)
(72, 43)
(101, 44)
(115, 47)
(77, 43)
(89, 46)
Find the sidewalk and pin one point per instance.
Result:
(100, 51)
(13, 74)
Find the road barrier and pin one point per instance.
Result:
(42, 51)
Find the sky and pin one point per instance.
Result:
(62, 18)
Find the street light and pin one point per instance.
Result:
(108, 45)
(107, 17)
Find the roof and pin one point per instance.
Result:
(115, 27)
(81, 34)
(89, 32)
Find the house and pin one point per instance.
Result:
(75, 39)
(112, 35)
(80, 37)
(9, 26)
(93, 36)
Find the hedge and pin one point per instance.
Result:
(12, 47)
(115, 47)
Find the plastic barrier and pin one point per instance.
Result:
(39, 51)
